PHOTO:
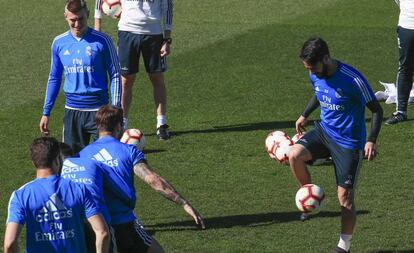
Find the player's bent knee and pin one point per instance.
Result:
(297, 154)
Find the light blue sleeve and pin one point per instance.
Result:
(167, 13)
(54, 82)
(114, 71)
(16, 211)
(97, 10)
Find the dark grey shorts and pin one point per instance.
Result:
(347, 162)
(78, 128)
(131, 46)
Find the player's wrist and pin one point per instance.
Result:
(167, 40)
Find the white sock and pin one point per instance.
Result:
(161, 120)
(125, 123)
(345, 241)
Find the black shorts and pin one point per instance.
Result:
(131, 237)
(347, 162)
(78, 128)
(131, 46)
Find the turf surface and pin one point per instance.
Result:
(234, 76)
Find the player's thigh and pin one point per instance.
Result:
(347, 163)
(314, 143)
(131, 237)
(151, 52)
(128, 52)
(89, 125)
(72, 130)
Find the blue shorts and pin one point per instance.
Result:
(347, 162)
(131, 46)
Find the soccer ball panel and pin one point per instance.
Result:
(309, 198)
(111, 8)
(134, 137)
(273, 141)
(297, 136)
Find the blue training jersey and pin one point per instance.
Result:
(85, 64)
(90, 173)
(342, 98)
(121, 159)
(55, 210)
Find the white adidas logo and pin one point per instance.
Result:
(104, 157)
(66, 52)
(70, 167)
(54, 209)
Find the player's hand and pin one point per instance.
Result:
(165, 49)
(196, 215)
(44, 125)
(370, 150)
(300, 124)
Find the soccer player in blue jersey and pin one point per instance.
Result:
(87, 59)
(53, 208)
(125, 161)
(342, 93)
(91, 174)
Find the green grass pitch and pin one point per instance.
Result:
(234, 76)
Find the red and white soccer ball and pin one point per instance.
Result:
(297, 136)
(283, 150)
(111, 8)
(135, 137)
(309, 198)
(278, 145)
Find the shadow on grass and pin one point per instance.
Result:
(394, 251)
(151, 151)
(247, 127)
(271, 125)
(248, 220)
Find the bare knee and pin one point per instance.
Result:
(299, 154)
(346, 198)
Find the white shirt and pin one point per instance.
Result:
(143, 16)
(406, 19)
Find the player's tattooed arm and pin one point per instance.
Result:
(144, 171)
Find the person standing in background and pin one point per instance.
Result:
(405, 36)
(85, 58)
(144, 29)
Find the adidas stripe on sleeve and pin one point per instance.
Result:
(167, 13)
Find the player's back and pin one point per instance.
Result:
(54, 210)
(89, 173)
(120, 159)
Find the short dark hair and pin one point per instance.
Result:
(44, 151)
(108, 117)
(314, 50)
(65, 150)
(75, 6)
